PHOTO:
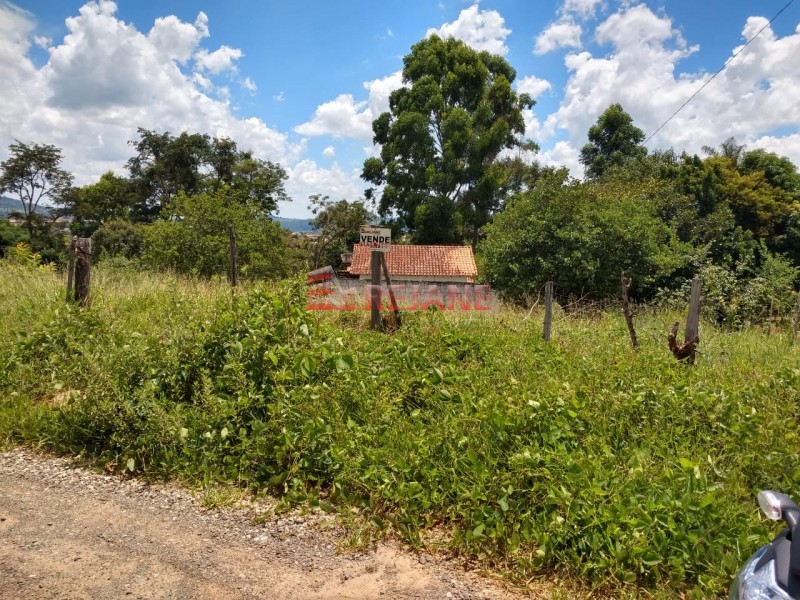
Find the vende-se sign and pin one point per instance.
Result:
(377, 238)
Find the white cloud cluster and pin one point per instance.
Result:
(340, 117)
(177, 40)
(220, 60)
(106, 78)
(584, 9)
(533, 86)
(564, 33)
(754, 96)
(481, 29)
(345, 117)
(307, 177)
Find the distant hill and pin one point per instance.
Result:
(9, 205)
(296, 225)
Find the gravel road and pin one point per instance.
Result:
(70, 533)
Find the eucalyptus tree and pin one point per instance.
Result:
(442, 139)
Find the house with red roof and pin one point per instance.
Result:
(439, 264)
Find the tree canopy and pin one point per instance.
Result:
(338, 224)
(198, 244)
(33, 172)
(112, 197)
(580, 236)
(613, 141)
(192, 163)
(442, 137)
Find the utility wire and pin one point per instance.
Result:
(727, 62)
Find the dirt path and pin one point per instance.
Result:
(69, 533)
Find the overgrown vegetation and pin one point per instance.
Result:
(622, 470)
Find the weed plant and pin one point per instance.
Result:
(626, 471)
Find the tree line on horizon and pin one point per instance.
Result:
(454, 167)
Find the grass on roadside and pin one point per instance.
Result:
(577, 459)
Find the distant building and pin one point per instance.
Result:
(440, 264)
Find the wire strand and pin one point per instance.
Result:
(722, 68)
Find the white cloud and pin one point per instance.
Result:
(533, 127)
(562, 154)
(307, 178)
(585, 9)
(43, 41)
(204, 82)
(784, 146)
(220, 60)
(17, 72)
(345, 117)
(561, 34)
(533, 86)
(342, 116)
(249, 85)
(379, 92)
(329, 152)
(279, 97)
(754, 96)
(177, 40)
(90, 103)
(481, 29)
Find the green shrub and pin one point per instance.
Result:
(196, 241)
(575, 456)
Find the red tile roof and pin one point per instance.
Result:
(421, 261)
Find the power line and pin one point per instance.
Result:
(722, 68)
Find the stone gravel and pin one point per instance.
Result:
(69, 532)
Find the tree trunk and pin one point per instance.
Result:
(548, 309)
(626, 310)
(83, 264)
(234, 279)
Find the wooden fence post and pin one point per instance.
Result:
(71, 268)
(626, 309)
(375, 294)
(688, 349)
(233, 278)
(83, 265)
(395, 307)
(548, 309)
(693, 318)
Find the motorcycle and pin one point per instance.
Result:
(773, 572)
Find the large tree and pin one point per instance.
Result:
(443, 134)
(613, 141)
(164, 166)
(192, 163)
(33, 172)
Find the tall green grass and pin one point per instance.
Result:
(626, 471)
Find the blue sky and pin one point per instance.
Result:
(299, 82)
